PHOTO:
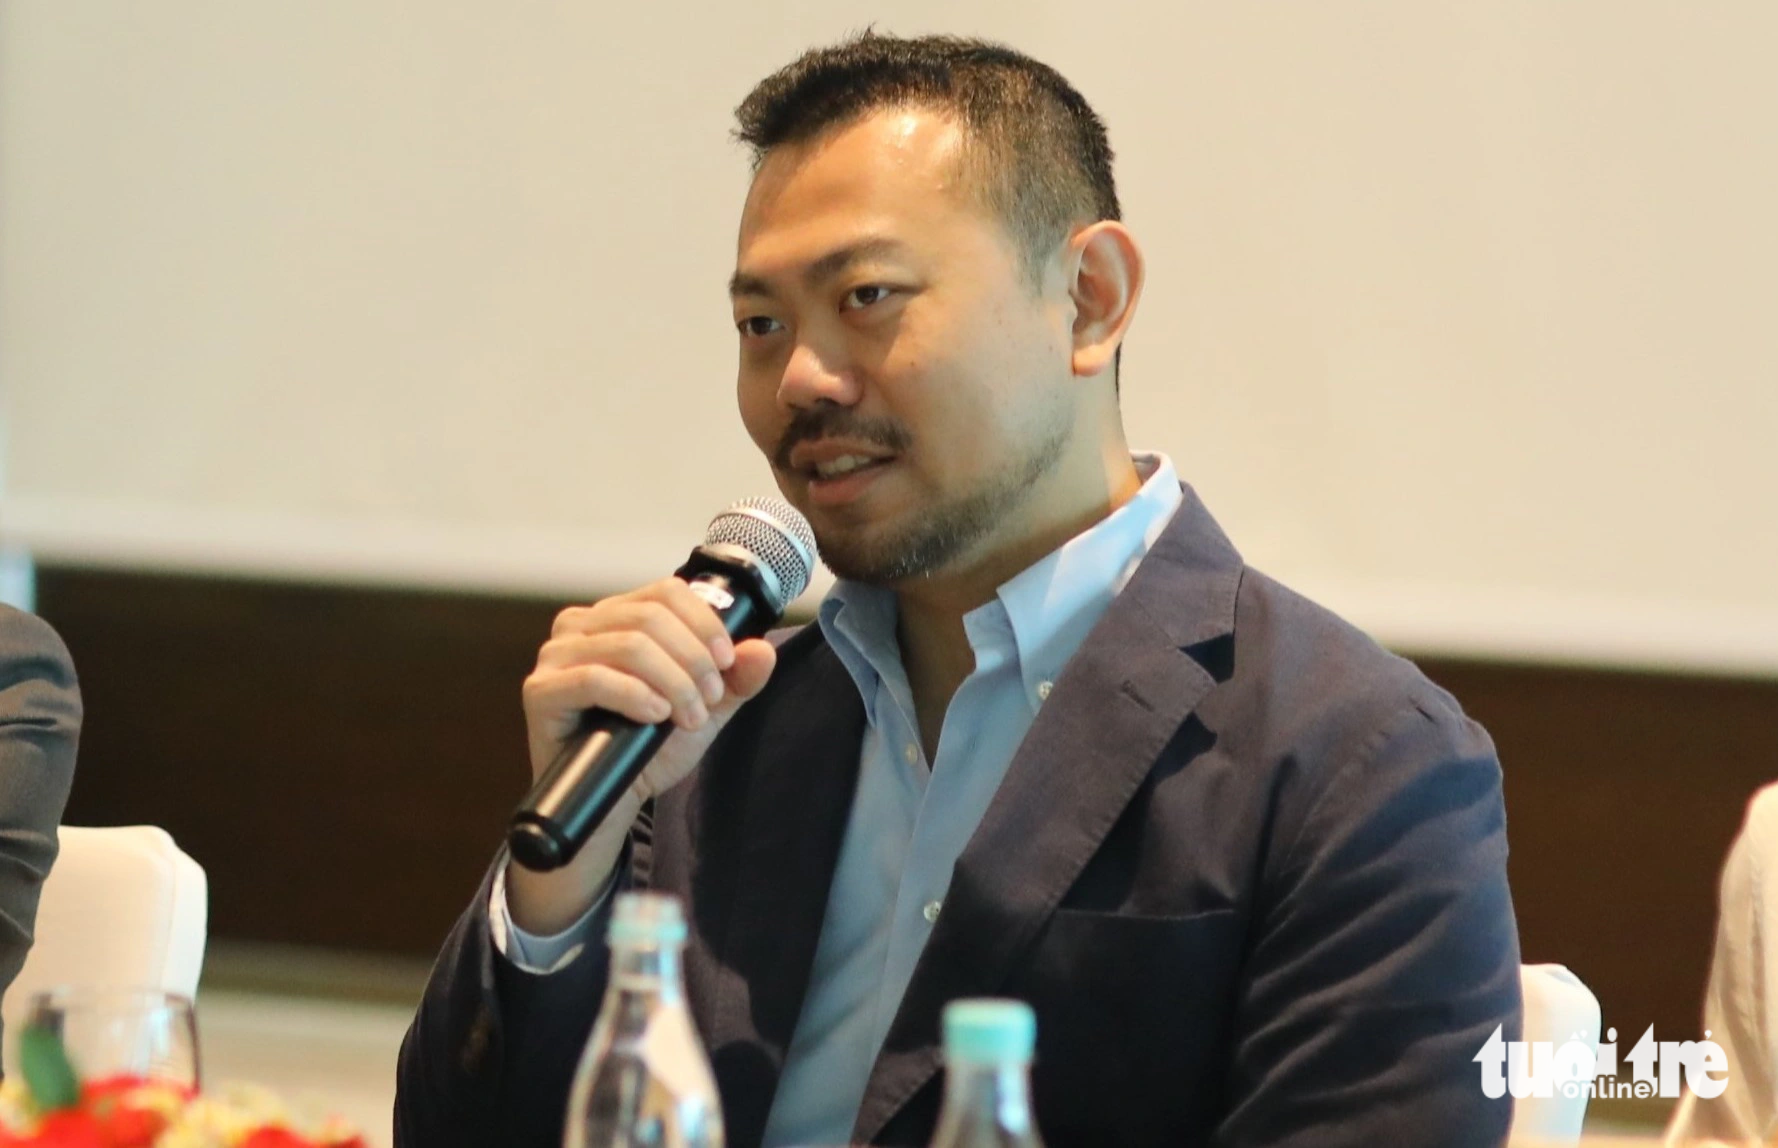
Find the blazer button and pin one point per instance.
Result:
(930, 912)
(1043, 690)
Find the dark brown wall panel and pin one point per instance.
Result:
(1623, 793)
(342, 761)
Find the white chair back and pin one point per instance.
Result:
(1558, 1008)
(121, 908)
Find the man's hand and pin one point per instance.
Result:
(652, 654)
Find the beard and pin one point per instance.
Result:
(937, 535)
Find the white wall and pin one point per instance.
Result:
(1460, 316)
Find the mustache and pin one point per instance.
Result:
(812, 424)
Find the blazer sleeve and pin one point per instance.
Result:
(39, 730)
(491, 1053)
(1385, 951)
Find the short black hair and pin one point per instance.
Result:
(1038, 154)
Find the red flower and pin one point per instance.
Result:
(276, 1138)
(69, 1128)
(133, 1128)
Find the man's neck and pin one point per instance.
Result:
(935, 650)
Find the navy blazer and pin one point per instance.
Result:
(1248, 867)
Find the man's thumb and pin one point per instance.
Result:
(755, 659)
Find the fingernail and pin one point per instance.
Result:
(660, 709)
(697, 715)
(723, 650)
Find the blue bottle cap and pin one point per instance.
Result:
(646, 919)
(985, 1030)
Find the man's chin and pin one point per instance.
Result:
(847, 558)
(889, 541)
(852, 553)
(887, 558)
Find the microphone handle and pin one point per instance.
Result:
(598, 764)
(604, 757)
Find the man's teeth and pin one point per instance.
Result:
(845, 464)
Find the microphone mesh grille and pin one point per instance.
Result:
(773, 532)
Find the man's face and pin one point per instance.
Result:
(910, 389)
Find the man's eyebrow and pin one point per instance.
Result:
(822, 269)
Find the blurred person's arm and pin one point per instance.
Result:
(39, 728)
(1740, 1005)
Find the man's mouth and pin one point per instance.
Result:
(843, 465)
(826, 460)
(837, 475)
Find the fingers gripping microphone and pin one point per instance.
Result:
(756, 558)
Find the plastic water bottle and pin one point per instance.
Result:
(988, 1046)
(644, 1080)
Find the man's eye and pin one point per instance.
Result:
(866, 295)
(756, 325)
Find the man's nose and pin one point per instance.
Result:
(811, 376)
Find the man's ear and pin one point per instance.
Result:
(1106, 285)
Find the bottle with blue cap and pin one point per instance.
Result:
(988, 1047)
(644, 1080)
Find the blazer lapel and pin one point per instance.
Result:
(1120, 699)
(780, 861)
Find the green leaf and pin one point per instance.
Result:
(48, 1072)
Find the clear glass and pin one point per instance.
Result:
(122, 1032)
(644, 1080)
(986, 1106)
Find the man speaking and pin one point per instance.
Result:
(1050, 737)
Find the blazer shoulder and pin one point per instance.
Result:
(1323, 679)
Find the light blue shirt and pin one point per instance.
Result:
(910, 819)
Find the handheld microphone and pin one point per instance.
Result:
(756, 559)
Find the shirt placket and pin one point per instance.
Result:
(932, 846)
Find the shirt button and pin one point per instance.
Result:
(911, 752)
(1043, 690)
(930, 912)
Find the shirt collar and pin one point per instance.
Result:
(1056, 601)
(1050, 606)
